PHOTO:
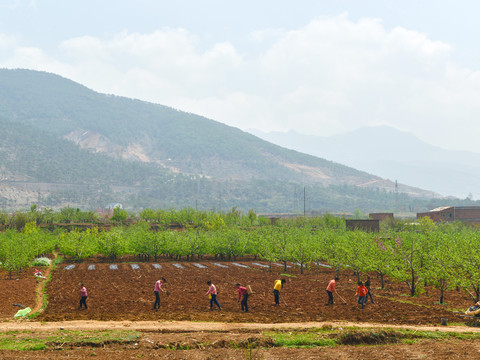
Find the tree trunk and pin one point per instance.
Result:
(412, 288)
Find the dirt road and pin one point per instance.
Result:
(194, 326)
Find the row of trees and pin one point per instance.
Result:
(19, 248)
(187, 217)
(444, 256)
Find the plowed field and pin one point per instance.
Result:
(126, 293)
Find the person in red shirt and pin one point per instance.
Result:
(242, 294)
(39, 274)
(83, 295)
(331, 289)
(362, 292)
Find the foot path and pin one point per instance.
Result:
(39, 289)
(190, 326)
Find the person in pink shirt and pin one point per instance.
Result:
(83, 296)
(156, 290)
(242, 294)
(212, 291)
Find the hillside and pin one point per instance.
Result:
(77, 147)
(152, 133)
(393, 154)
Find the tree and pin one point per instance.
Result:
(441, 260)
(264, 245)
(79, 244)
(356, 251)
(468, 245)
(112, 243)
(331, 247)
(196, 243)
(380, 258)
(408, 248)
(302, 247)
(252, 216)
(15, 253)
(119, 214)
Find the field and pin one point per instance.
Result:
(122, 298)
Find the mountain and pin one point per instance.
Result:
(394, 155)
(68, 145)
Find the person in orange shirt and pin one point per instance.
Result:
(331, 290)
(362, 292)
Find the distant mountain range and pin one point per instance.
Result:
(392, 154)
(65, 145)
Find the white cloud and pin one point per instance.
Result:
(330, 76)
(7, 42)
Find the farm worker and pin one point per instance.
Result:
(83, 296)
(362, 294)
(156, 290)
(277, 286)
(369, 293)
(212, 291)
(331, 289)
(242, 294)
(39, 274)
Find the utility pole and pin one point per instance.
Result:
(304, 201)
(295, 200)
(396, 195)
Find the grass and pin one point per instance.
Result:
(326, 336)
(288, 275)
(58, 260)
(301, 340)
(356, 336)
(28, 340)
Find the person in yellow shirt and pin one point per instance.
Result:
(278, 285)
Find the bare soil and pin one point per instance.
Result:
(127, 294)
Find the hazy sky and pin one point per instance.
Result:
(317, 67)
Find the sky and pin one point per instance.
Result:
(313, 66)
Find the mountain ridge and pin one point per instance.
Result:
(403, 157)
(175, 157)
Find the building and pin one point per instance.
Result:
(469, 214)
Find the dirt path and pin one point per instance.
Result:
(190, 326)
(39, 288)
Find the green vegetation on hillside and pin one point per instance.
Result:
(38, 156)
